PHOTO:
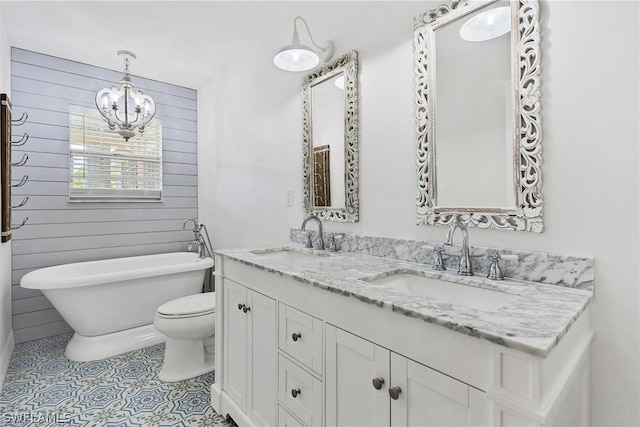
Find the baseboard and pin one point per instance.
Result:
(5, 357)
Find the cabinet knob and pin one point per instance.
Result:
(295, 392)
(245, 308)
(240, 306)
(394, 392)
(296, 336)
(377, 383)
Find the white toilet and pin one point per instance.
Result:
(189, 325)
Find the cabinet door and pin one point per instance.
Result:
(352, 364)
(428, 397)
(263, 364)
(235, 343)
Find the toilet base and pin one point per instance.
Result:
(172, 377)
(184, 359)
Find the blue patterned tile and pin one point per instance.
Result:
(55, 395)
(127, 423)
(133, 369)
(192, 402)
(146, 400)
(121, 391)
(211, 418)
(161, 417)
(156, 351)
(21, 364)
(54, 367)
(15, 390)
(100, 397)
(93, 368)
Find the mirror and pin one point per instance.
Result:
(478, 127)
(330, 140)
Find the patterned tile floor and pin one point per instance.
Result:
(44, 388)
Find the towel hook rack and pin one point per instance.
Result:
(6, 185)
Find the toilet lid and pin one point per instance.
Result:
(198, 304)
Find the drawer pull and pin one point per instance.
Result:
(296, 336)
(295, 392)
(240, 306)
(377, 383)
(394, 392)
(246, 308)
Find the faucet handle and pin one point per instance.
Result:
(437, 263)
(195, 243)
(495, 272)
(333, 246)
(309, 241)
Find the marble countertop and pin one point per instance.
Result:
(533, 321)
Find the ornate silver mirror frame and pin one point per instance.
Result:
(347, 65)
(526, 214)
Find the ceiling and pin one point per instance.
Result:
(188, 42)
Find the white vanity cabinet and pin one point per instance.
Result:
(368, 385)
(291, 353)
(249, 331)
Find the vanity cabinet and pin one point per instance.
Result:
(249, 330)
(292, 354)
(369, 385)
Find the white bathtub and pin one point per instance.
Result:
(110, 304)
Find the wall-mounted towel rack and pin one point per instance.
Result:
(5, 157)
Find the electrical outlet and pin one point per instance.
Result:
(288, 197)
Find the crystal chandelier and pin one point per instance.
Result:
(125, 108)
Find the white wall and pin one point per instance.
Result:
(250, 135)
(6, 333)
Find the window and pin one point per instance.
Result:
(105, 167)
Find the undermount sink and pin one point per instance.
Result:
(289, 255)
(454, 293)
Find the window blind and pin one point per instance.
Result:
(103, 166)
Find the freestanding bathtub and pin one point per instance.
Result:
(110, 304)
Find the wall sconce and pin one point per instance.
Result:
(125, 108)
(298, 57)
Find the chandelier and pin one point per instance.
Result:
(125, 108)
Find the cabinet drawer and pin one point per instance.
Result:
(300, 336)
(299, 392)
(285, 419)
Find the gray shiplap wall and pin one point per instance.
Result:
(60, 232)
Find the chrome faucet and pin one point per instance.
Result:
(315, 217)
(464, 267)
(205, 249)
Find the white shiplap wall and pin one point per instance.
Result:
(60, 232)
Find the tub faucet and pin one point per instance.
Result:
(205, 249)
(315, 217)
(195, 224)
(464, 267)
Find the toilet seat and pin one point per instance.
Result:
(189, 306)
